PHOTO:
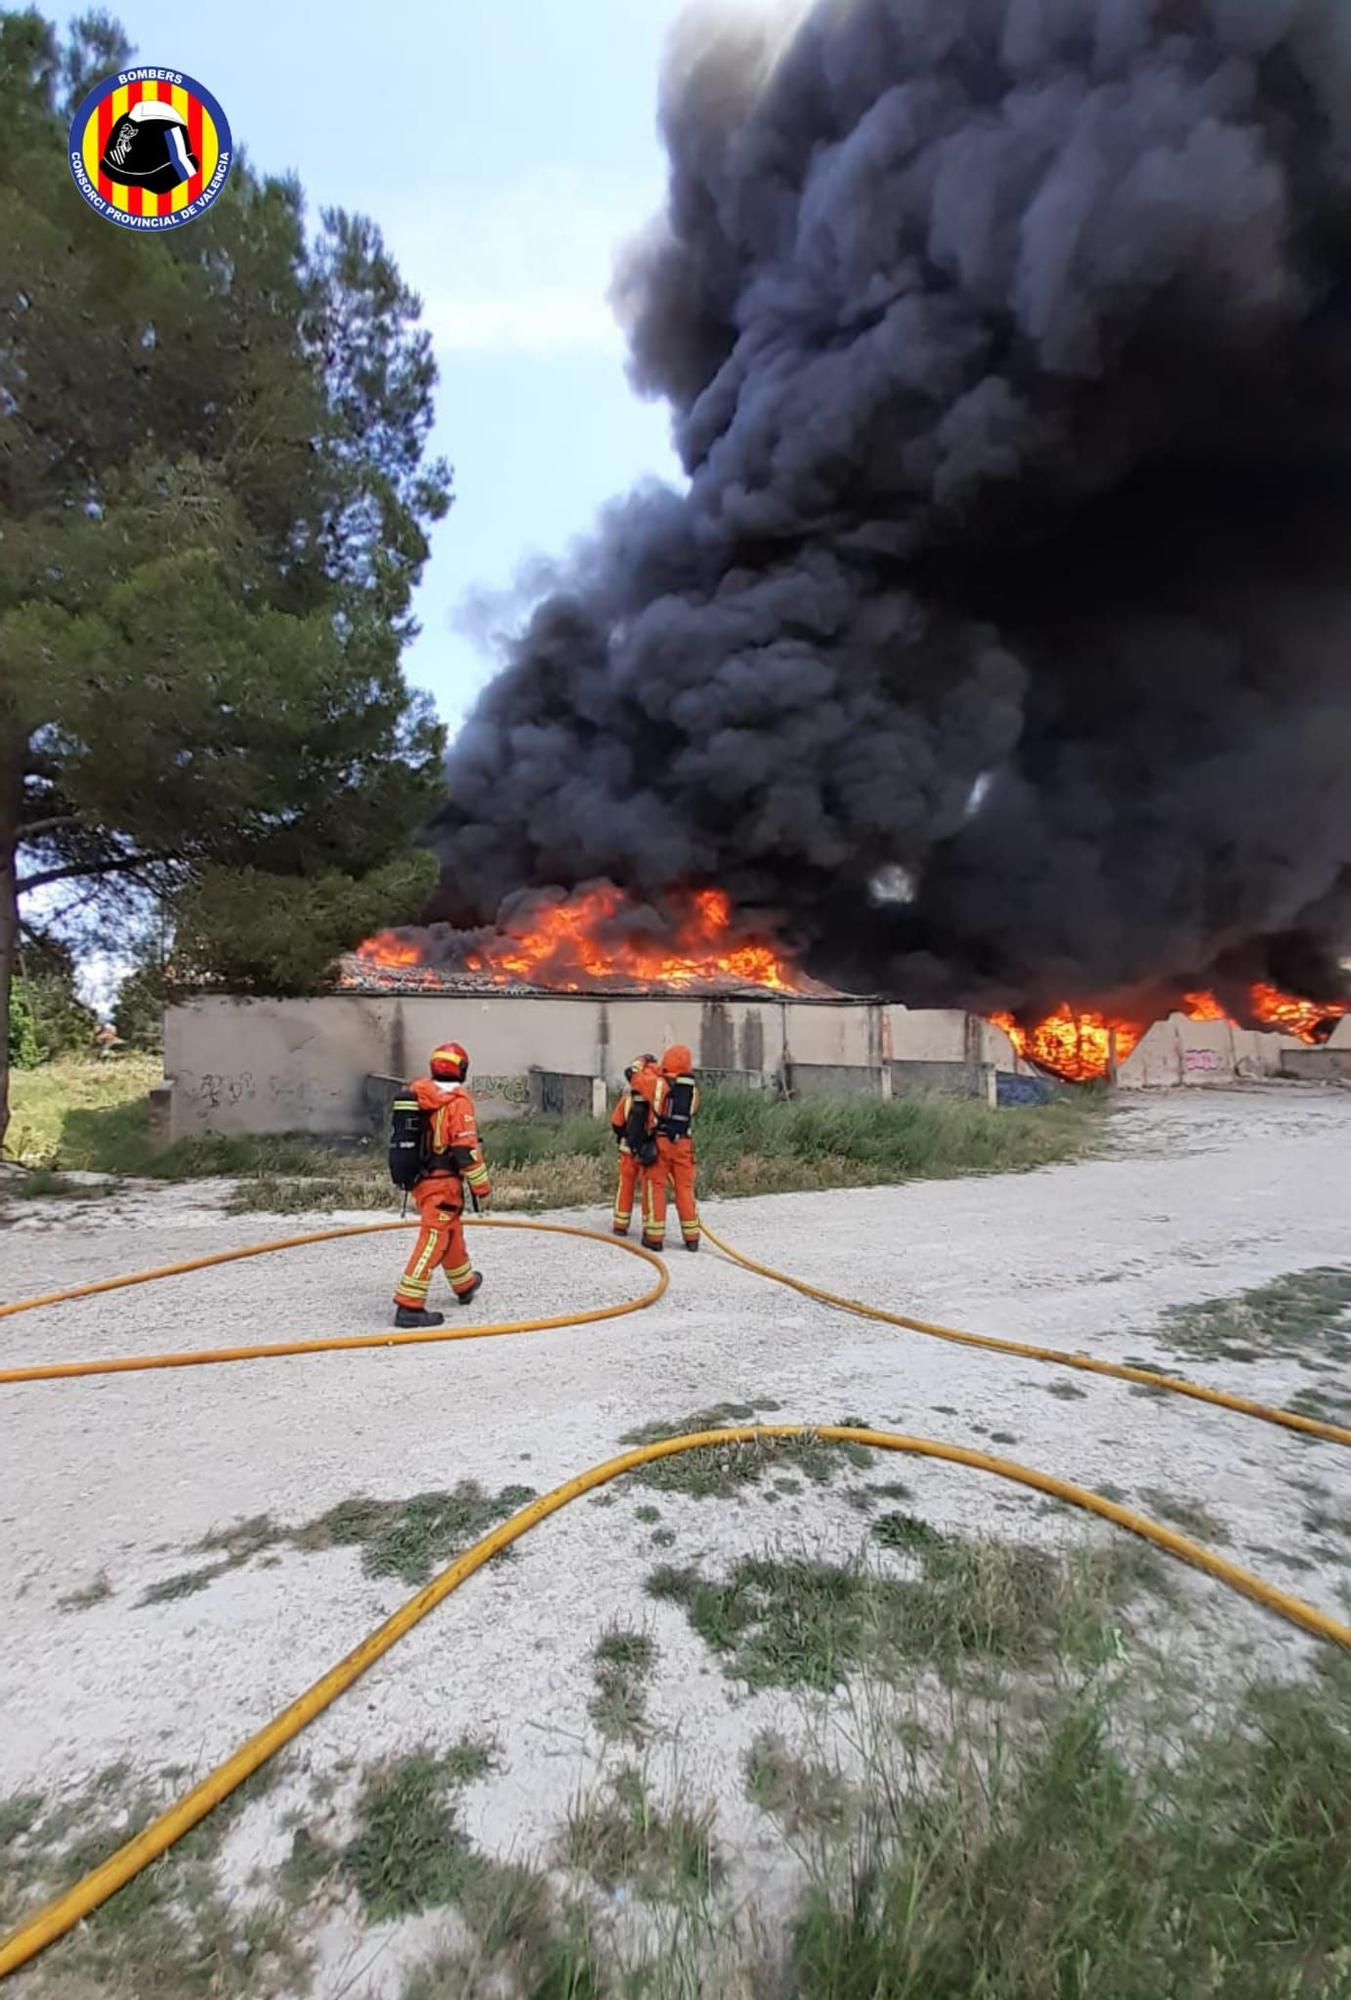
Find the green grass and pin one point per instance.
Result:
(718, 1472)
(409, 1852)
(42, 1184)
(1218, 1866)
(624, 1836)
(806, 1798)
(1192, 1516)
(94, 1116)
(75, 1112)
(408, 1539)
(19, 1813)
(186, 1583)
(1305, 1316)
(623, 1660)
(172, 1933)
(797, 1622)
(1107, 1840)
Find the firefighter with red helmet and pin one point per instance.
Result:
(451, 1160)
(675, 1103)
(633, 1123)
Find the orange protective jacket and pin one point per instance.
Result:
(644, 1086)
(454, 1129)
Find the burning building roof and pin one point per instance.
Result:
(598, 941)
(594, 941)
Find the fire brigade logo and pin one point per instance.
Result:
(150, 148)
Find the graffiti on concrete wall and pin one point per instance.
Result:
(218, 1090)
(511, 1089)
(1200, 1059)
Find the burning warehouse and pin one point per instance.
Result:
(554, 1007)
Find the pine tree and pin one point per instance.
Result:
(213, 512)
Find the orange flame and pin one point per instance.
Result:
(1202, 1007)
(1078, 1046)
(1312, 1020)
(564, 947)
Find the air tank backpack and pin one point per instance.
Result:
(407, 1142)
(641, 1143)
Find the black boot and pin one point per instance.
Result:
(659, 1248)
(463, 1298)
(692, 1246)
(408, 1317)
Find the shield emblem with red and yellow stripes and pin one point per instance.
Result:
(150, 148)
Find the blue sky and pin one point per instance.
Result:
(504, 147)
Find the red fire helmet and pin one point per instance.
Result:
(449, 1063)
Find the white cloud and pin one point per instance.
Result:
(526, 267)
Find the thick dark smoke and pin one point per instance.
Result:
(1001, 647)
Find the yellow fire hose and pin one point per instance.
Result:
(88, 1894)
(1176, 1384)
(132, 1364)
(271, 1350)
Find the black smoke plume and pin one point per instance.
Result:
(1000, 649)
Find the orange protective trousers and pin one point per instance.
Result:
(630, 1173)
(675, 1163)
(440, 1244)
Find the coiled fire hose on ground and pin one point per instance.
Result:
(61, 1915)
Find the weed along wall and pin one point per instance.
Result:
(267, 1066)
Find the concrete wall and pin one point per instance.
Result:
(944, 1079)
(240, 1065)
(301, 1065)
(1326, 1065)
(1179, 1051)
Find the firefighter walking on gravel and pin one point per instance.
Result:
(675, 1102)
(435, 1155)
(633, 1123)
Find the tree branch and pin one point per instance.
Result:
(125, 865)
(38, 827)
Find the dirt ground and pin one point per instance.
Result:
(106, 1485)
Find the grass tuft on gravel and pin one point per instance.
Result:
(173, 1933)
(409, 1852)
(408, 1539)
(807, 1798)
(624, 1836)
(720, 1472)
(97, 1591)
(623, 1660)
(1304, 1316)
(798, 1622)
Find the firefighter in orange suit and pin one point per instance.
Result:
(675, 1102)
(453, 1160)
(633, 1124)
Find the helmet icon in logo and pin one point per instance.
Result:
(150, 147)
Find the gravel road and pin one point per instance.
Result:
(1198, 1196)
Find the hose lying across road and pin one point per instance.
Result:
(95, 1888)
(205, 1357)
